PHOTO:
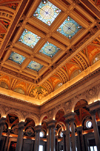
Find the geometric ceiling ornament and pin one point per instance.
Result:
(35, 66)
(49, 49)
(16, 58)
(28, 38)
(47, 12)
(69, 28)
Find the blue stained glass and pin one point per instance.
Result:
(35, 66)
(69, 28)
(47, 12)
(28, 38)
(16, 58)
(49, 49)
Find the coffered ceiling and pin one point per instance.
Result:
(45, 44)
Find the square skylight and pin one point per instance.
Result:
(47, 12)
(28, 38)
(35, 66)
(69, 28)
(49, 49)
(16, 58)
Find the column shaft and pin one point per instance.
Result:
(73, 136)
(20, 136)
(80, 139)
(67, 137)
(96, 132)
(7, 140)
(2, 122)
(48, 139)
(64, 140)
(37, 138)
(53, 139)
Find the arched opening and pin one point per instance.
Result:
(81, 111)
(60, 124)
(29, 127)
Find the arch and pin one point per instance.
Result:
(17, 113)
(2, 112)
(63, 126)
(58, 109)
(83, 97)
(75, 73)
(33, 117)
(95, 58)
(42, 117)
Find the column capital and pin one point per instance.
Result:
(38, 128)
(95, 106)
(79, 129)
(69, 117)
(64, 132)
(51, 123)
(2, 121)
(21, 125)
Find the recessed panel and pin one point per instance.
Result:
(69, 28)
(28, 38)
(49, 49)
(47, 12)
(35, 66)
(17, 58)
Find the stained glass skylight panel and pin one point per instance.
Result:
(69, 28)
(28, 38)
(49, 49)
(16, 58)
(47, 12)
(35, 66)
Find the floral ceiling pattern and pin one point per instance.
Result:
(70, 70)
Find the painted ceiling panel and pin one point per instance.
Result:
(69, 28)
(35, 66)
(16, 58)
(28, 38)
(47, 12)
(49, 49)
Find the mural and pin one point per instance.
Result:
(38, 92)
(3, 28)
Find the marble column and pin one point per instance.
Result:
(80, 139)
(64, 140)
(94, 107)
(2, 122)
(48, 139)
(51, 126)
(96, 131)
(20, 136)
(68, 143)
(37, 137)
(7, 140)
(70, 118)
(73, 134)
